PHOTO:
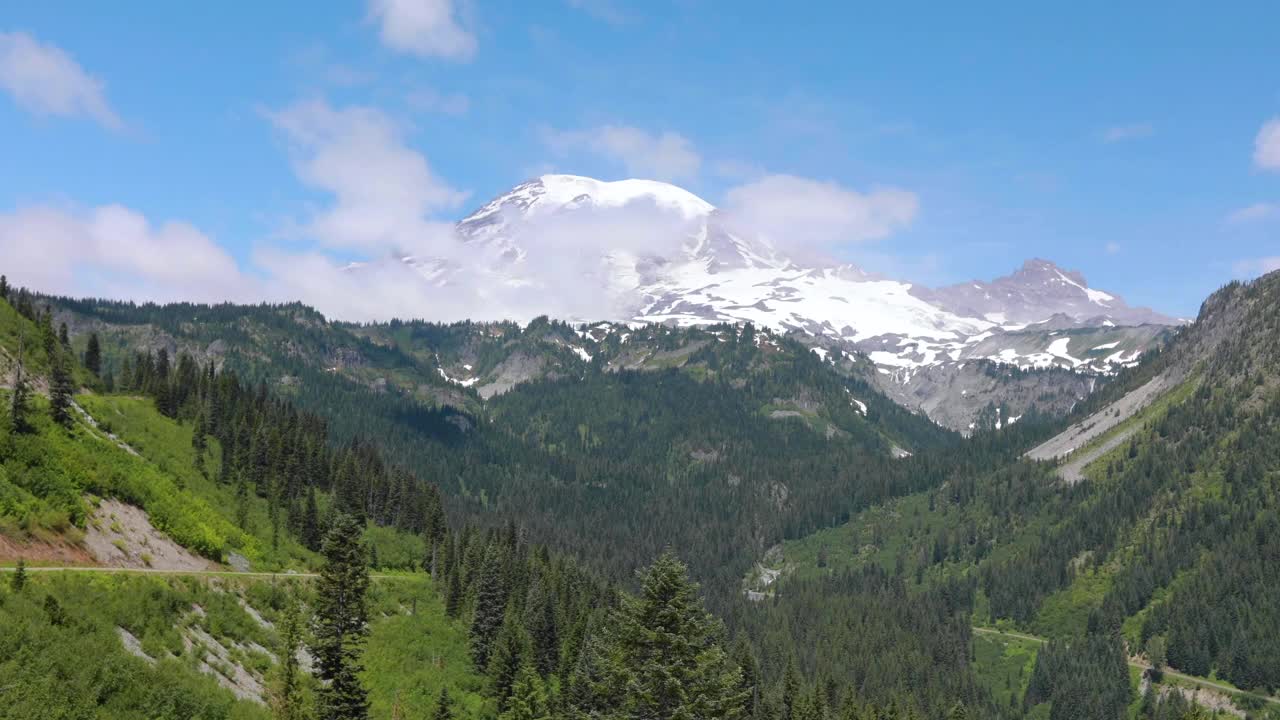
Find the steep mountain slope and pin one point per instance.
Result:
(641, 251)
(1159, 526)
(784, 437)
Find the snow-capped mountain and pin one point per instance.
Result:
(646, 251)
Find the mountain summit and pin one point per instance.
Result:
(1039, 290)
(647, 251)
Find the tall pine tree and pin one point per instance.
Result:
(287, 701)
(342, 622)
(510, 653)
(60, 388)
(18, 396)
(528, 700)
(444, 706)
(93, 355)
(665, 659)
(491, 604)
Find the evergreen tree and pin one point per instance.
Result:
(595, 686)
(53, 608)
(491, 603)
(528, 700)
(24, 306)
(311, 521)
(790, 690)
(242, 501)
(4, 287)
(60, 388)
(510, 653)
(341, 622)
(444, 706)
(453, 599)
(1156, 653)
(199, 437)
(540, 619)
(287, 700)
(667, 654)
(19, 578)
(63, 337)
(93, 354)
(18, 395)
(48, 337)
(750, 683)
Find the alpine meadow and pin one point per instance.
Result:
(616, 360)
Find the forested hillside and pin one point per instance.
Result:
(752, 434)
(488, 624)
(847, 545)
(1167, 547)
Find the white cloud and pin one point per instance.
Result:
(433, 101)
(45, 80)
(667, 156)
(800, 213)
(115, 251)
(1266, 147)
(1113, 248)
(1120, 133)
(1254, 213)
(384, 192)
(426, 28)
(1257, 266)
(560, 276)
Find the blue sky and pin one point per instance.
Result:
(1132, 143)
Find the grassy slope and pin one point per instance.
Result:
(48, 478)
(412, 651)
(166, 445)
(14, 327)
(45, 475)
(1003, 665)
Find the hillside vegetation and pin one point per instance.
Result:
(1169, 542)
(520, 476)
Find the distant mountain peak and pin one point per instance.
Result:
(1037, 291)
(647, 251)
(554, 193)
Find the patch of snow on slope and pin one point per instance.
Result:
(845, 307)
(1095, 296)
(862, 407)
(1107, 346)
(1058, 348)
(464, 383)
